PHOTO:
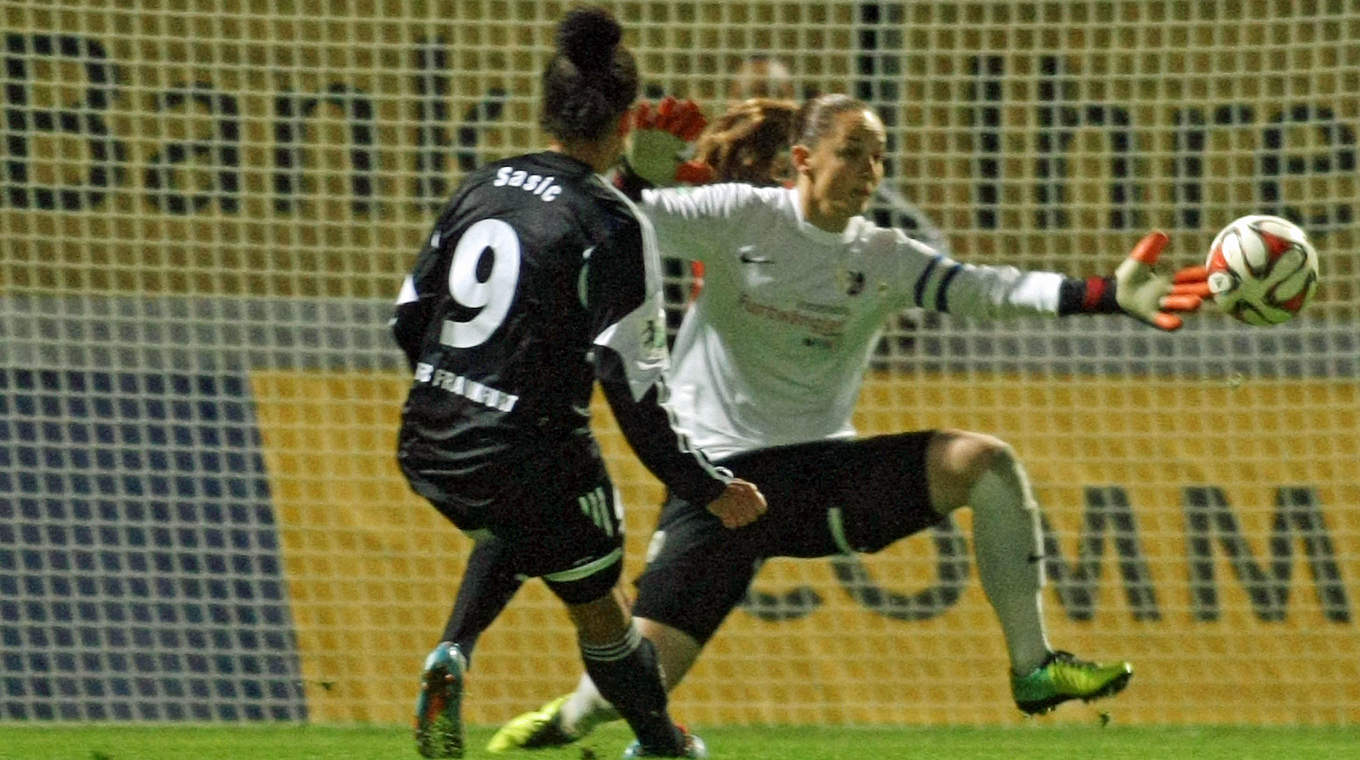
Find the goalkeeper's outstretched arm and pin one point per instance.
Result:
(1137, 290)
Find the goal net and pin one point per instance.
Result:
(207, 206)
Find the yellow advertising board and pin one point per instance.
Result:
(1203, 530)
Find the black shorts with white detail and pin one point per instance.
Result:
(558, 516)
(829, 497)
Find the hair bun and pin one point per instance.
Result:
(587, 37)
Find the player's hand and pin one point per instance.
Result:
(741, 503)
(1154, 298)
(660, 137)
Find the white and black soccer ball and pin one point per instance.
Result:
(1262, 269)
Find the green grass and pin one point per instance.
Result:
(20, 741)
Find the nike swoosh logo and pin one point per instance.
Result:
(747, 255)
(1035, 558)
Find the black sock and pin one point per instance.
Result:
(489, 582)
(626, 673)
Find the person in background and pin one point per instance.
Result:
(761, 76)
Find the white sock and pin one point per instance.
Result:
(1007, 544)
(585, 710)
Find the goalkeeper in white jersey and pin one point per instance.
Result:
(767, 367)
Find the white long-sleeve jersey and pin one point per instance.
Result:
(774, 349)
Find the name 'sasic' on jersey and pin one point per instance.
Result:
(534, 268)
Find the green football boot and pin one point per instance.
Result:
(1063, 677)
(533, 730)
(438, 719)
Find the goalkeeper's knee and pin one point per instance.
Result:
(957, 461)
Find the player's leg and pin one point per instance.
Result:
(438, 710)
(486, 587)
(981, 471)
(697, 573)
(676, 650)
(482, 594)
(984, 473)
(624, 667)
(489, 583)
(580, 558)
(575, 715)
(861, 495)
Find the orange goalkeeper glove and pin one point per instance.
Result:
(659, 139)
(1151, 297)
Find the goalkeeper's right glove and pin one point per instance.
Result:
(1135, 289)
(659, 139)
(1150, 297)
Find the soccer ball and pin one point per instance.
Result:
(1262, 269)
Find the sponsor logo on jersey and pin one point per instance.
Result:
(462, 386)
(831, 327)
(852, 282)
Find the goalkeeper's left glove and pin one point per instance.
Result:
(659, 140)
(1136, 290)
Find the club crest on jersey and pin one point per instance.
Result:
(654, 338)
(852, 282)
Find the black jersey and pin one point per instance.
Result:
(537, 279)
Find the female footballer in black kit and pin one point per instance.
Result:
(537, 279)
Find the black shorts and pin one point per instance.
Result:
(558, 516)
(825, 498)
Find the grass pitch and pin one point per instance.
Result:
(22, 741)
